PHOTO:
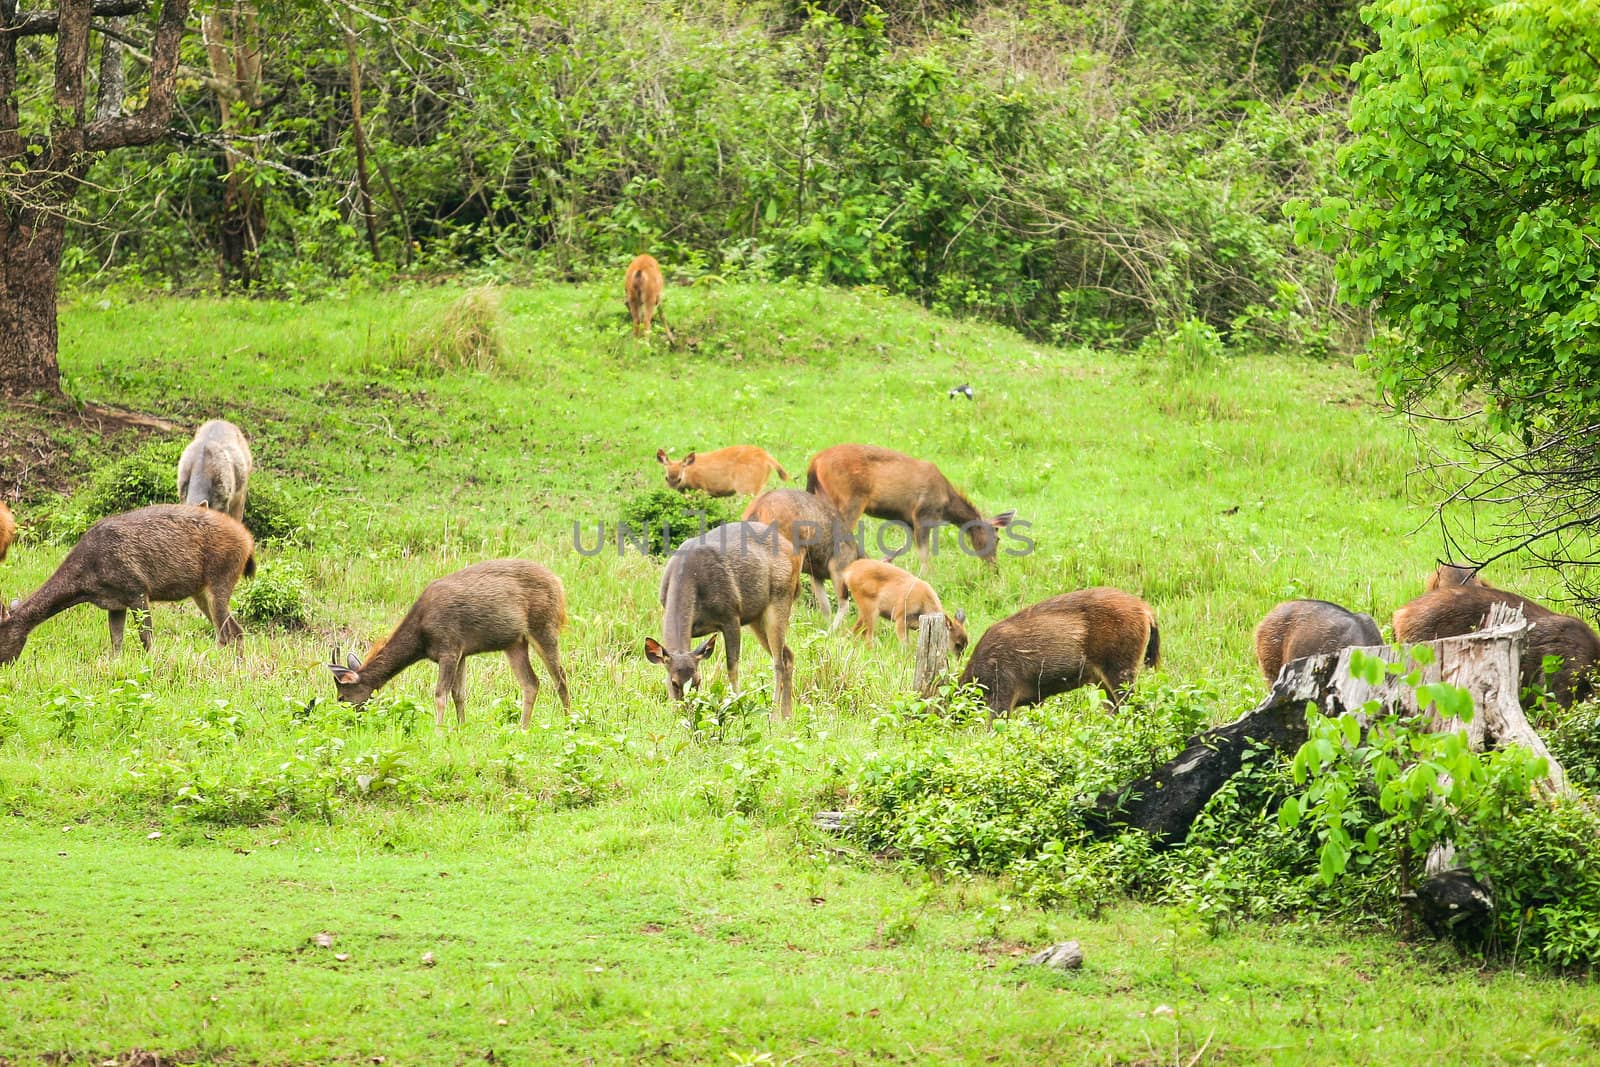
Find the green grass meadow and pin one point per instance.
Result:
(622, 885)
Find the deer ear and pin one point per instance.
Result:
(961, 616)
(688, 459)
(653, 651)
(353, 662)
(706, 647)
(1004, 518)
(342, 676)
(661, 455)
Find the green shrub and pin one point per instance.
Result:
(668, 518)
(277, 597)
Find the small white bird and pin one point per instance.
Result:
(961, 390)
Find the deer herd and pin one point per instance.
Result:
(743, 574)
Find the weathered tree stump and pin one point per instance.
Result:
(933, 654)
(1166, 801)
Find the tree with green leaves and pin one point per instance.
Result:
(1473, 229)
(49, 140)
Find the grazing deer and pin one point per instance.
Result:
(1299, 628)
(214, 469)
(740, 470)
(814, 528)
(741, 574)
(889, 485)
(642, 286)
(882, 589)
(8, 529)
(503, 605)
(1453, 610)
(163, 552)
(1094, 636)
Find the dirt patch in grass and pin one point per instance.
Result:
(44, 449)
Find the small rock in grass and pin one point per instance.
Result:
(1066, 956)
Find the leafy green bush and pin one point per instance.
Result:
(150, 476)
(664, 518)
(276, 597)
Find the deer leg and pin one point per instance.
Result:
(548, 644)
(903, 624)
(236, 506)
(118, 618)
(730, 644)
(819, 591)
(774, 627)
(458, 691)
(221, 616)
(147, 626)
(517, 655)
(866, 616)
(921, 536)
(448, 667)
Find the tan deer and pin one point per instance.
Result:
(129, 561)
(642, 286)
(881, 589)
(738, 470)
(503, 605)
(890, 485)
(741, 574)
(1453, 610)
(813, 527)
(8, 529)
(1299, 628)
(1097, 636)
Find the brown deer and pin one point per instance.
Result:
(503, 605)
(1450, 611)
(882, 589)
(890, 485)
(642, 286)
(741, 574)
(1094, 636)
(159, 553)
(1453, 574)
(814, 528)
(1299, 628)
(8, 529)
(740, 470)
(215, 469)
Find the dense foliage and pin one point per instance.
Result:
(1340, 828)
(1081, 171)
(1470, 225)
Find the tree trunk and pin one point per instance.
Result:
(933, 654)
(30, 258)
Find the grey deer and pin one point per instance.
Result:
(162, 552)
(741, 574)
(215, 469)
(503, 605)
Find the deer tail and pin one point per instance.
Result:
(250, 565)
(1152, 648)
(779, 468)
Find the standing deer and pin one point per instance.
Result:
(814, 528)
(1094, 636)
(741, 574)
(642, 286)
(8, 529)
(740, 470)
(1453, 610)
(890, 485)
(159, 553)
(503, 605)
(1299, 628)
(214, 469)
(882, 589)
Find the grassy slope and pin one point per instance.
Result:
(1130, 475)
